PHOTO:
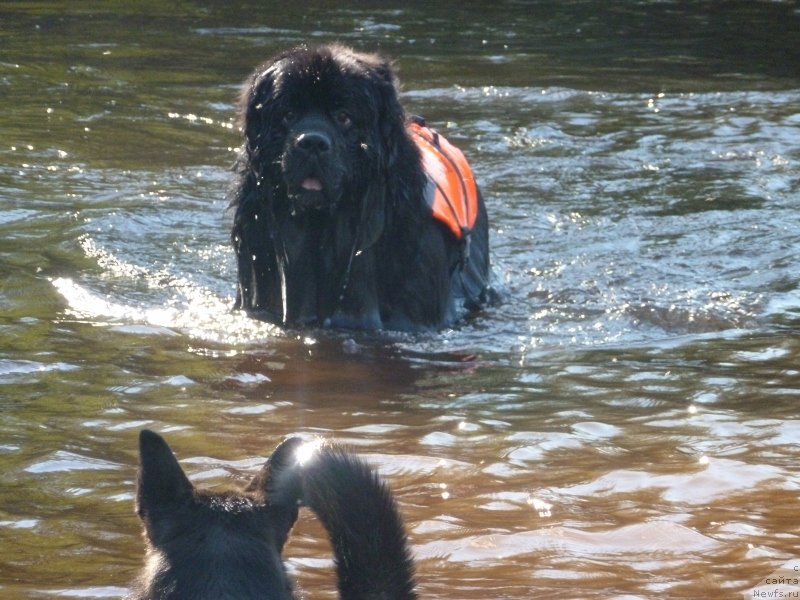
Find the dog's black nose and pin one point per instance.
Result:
(314, 142)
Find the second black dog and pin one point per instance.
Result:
(227, 546)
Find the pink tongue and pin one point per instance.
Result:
(312, 183)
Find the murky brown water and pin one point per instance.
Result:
(625, 425)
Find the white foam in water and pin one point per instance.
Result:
(173, 303)
(198, 313)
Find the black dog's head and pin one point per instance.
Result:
(319, 124)
(206, 545)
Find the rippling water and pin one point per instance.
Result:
(624, 425)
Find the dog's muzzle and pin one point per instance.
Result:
(310, 172)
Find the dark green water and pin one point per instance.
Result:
(625, 425)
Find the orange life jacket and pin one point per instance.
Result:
(452, 193)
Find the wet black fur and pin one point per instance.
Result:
(366, 531)
(225, 546)
(365, 251)
(214, 546)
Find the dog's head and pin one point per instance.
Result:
(204, 544)
(319, 124)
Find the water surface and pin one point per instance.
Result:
(624, 425)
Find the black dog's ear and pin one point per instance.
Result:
(161, 483)
(253, 100)
(278, 482)
(279, 478)
(392, 114)
(392, 117)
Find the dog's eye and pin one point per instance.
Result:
(343, 118)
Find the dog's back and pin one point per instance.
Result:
(203, 545)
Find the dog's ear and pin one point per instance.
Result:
(161, 483)
(254, 99)
(278, 482)
(391, 116)
(279, 478)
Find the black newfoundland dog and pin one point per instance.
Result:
(348, 213)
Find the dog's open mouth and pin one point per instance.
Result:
(310, 195)
(311, 184)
